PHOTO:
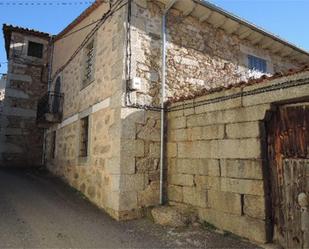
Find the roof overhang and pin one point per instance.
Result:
(231, 24)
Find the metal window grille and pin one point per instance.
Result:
(256, 63)
(89, 62)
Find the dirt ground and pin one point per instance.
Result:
(38, 210)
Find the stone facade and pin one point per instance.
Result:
(216, 162)
(20, 139)
(199, 56)
(121, 173)
(99, 175)
(212, 166)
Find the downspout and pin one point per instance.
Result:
(50, 61)
(165, 12)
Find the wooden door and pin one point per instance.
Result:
(288, 153)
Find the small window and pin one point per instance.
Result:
(256, 63)
(35, 49)
(89, 64)
(83, 147)
(53, 145)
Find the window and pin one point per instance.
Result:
(256, 63)
(35, 49)
(53, 145)
(89, 64)
(83, 147)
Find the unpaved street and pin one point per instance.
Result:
(39, 211)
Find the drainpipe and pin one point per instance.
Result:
(165, 11)
(50, 61)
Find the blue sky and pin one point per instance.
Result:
(287, 18)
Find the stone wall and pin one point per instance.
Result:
(198, 55)
(20, 139)
(99, 175)
(140, 158)
(216, 158)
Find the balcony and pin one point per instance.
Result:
(50, 109)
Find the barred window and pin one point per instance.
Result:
(256, 63)
(83, 147)
(89, 63)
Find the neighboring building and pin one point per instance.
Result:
(102, 112)
(21, 141)
(2, 90)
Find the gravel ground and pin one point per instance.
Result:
(38, 210)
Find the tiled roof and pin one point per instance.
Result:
(10, 28)
(251, 81)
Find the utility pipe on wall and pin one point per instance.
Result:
(165, 11)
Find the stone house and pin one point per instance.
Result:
(20, 139)
(109, 134)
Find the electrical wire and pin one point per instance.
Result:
(113, 9)
(42, 3)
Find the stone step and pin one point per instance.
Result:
(173, 216)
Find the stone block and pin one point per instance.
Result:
(127, 200)
(242, 186)
(226, 202)
(208, 167)
(198, 149)
(243, 130)
(178, 135)
(274, 96)
(181, 180)
(171, 149)
(217, 106)
(154, 150)
(250, 169)
(139, 148)
(207, 182)
(254, 206)
(175, 193)
(238, 148)
(243, 226)
(135, 182)
(150, 196)
(168, 216)
(195, 197)
(237, 115)
(207, 132)
(177, 123)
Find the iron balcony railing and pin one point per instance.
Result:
(50, 108)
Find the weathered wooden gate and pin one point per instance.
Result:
(288, 153)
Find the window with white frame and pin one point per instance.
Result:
(257, 64)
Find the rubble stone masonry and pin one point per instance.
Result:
(198, 55)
